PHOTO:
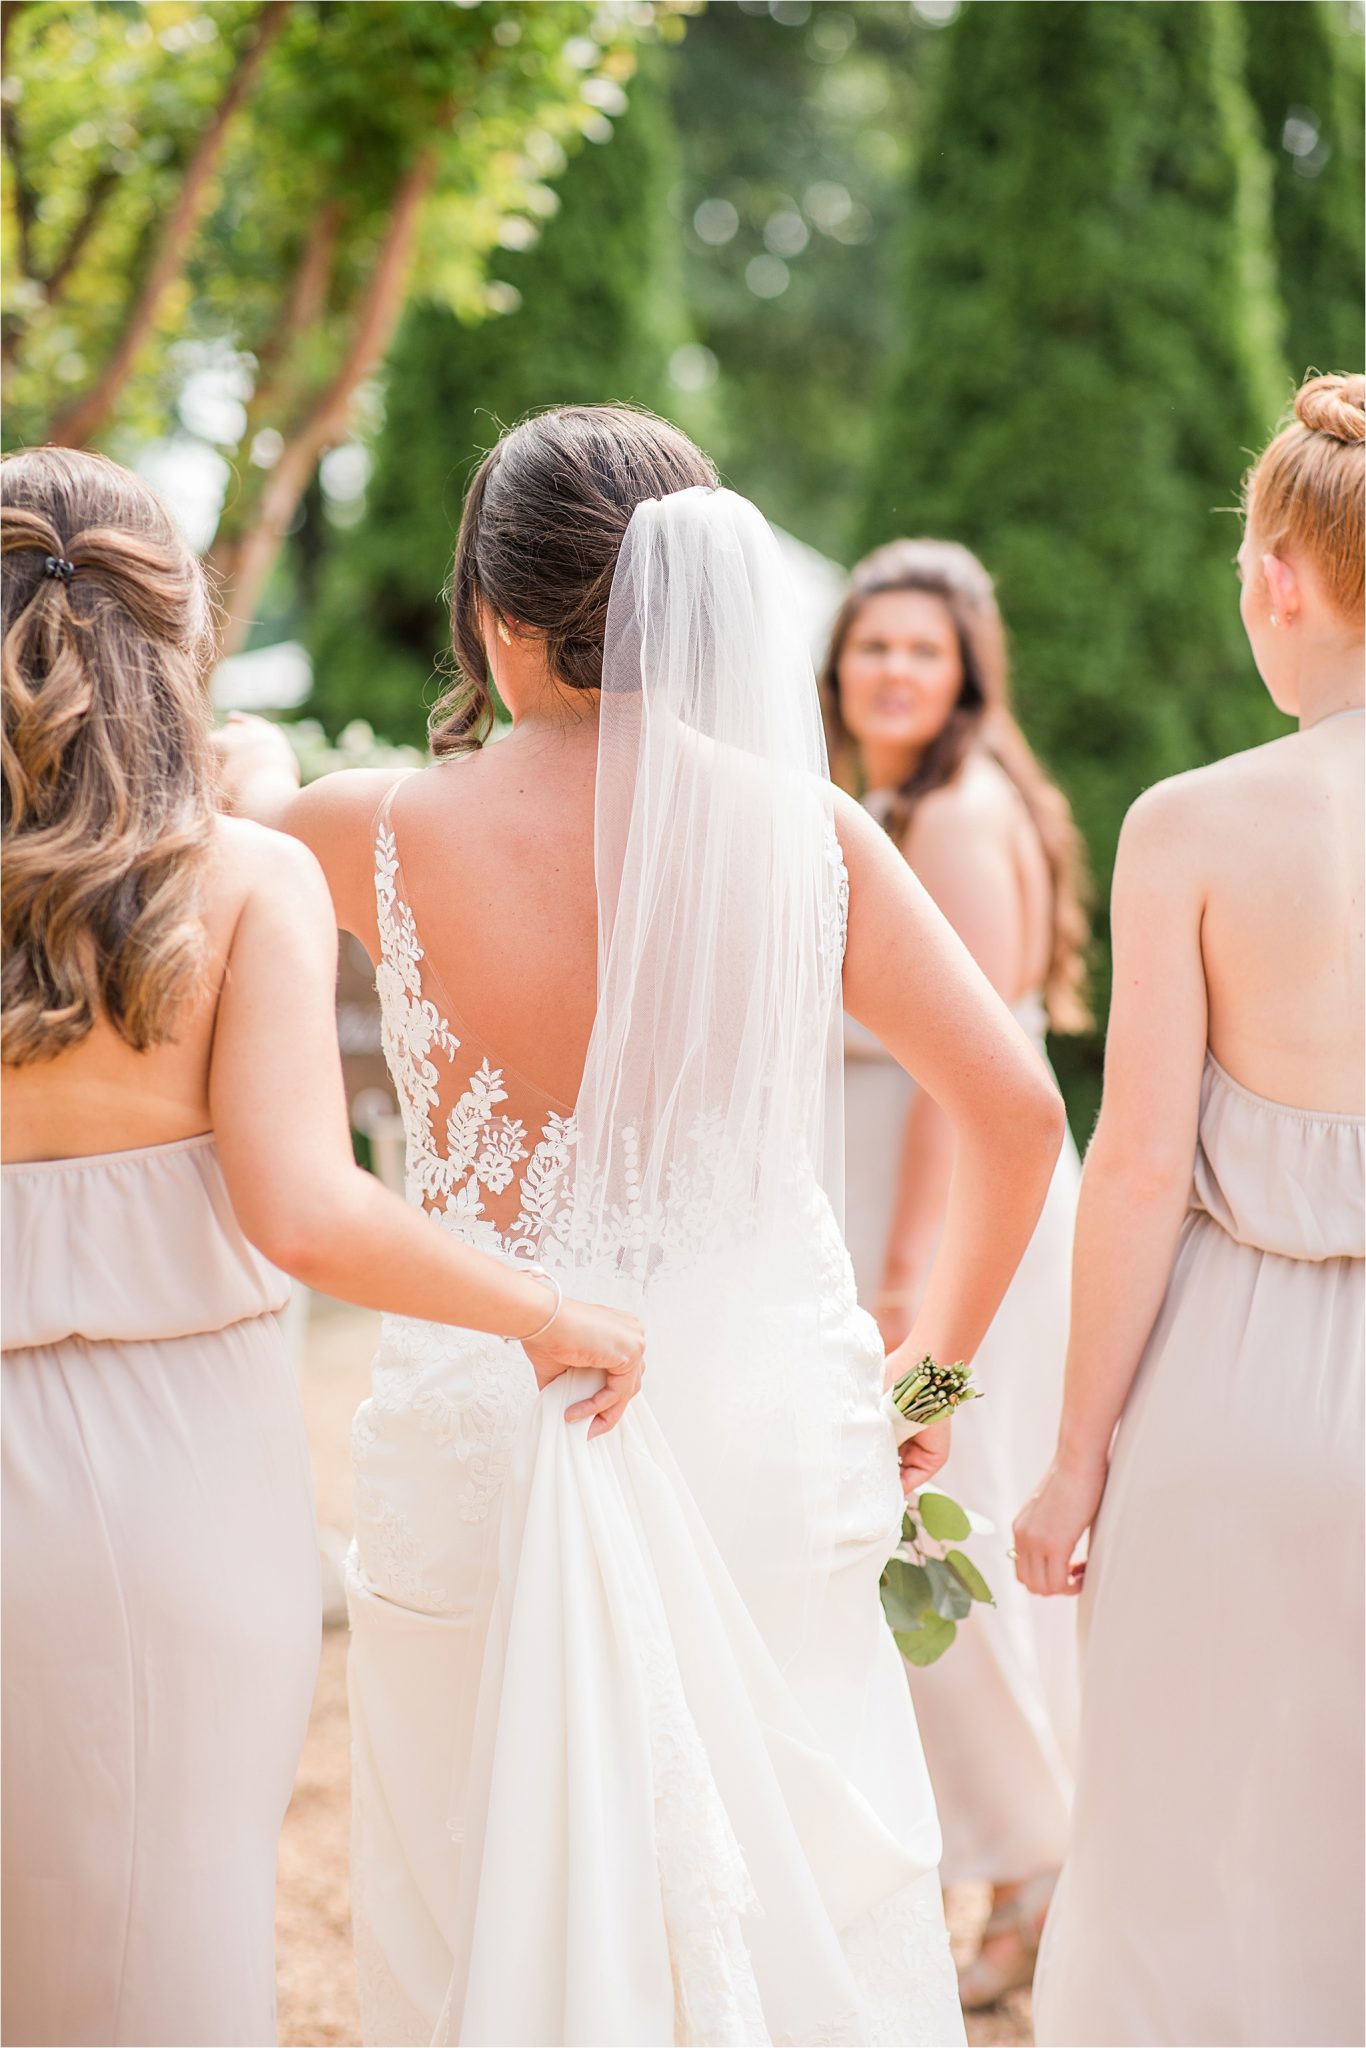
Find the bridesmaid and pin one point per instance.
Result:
(918, 714)
(1213, 1890)
(174, 1122)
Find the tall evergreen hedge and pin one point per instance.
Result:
(1090, 350)
(1304, 70)
(599, 316)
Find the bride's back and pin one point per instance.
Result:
(496, 852)
(472, 882)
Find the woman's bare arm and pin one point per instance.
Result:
(913, 983)
(1136, 1183)
(279, 1117)
(960, 855)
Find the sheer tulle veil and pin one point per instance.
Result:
(643, 1782)
(708, 1176)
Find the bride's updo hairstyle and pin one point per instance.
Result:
(544, 519)
(108, 798)
(1307, 493)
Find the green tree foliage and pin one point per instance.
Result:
(795, 123)
(595, 314)
(1090, 352)
(261, 186)
(1304, 70)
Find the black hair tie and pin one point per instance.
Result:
(54, 565)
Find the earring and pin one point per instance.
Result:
(1275, 619)
(504, 635)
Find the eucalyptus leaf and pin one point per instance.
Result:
(943, 1518)
(908, 1527)
(949, 1597)
(905, 1593)
(971, 1577)
(926, 1644)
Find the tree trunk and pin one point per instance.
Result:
(7, 13)
(85, 415)
(304, 308)
(245, 559)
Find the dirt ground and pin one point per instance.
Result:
(316, 1984)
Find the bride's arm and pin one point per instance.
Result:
(912, 981)
(278, 1108)
(958, 850)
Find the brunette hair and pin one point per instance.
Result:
(544, 519)
(108, 796)
(981, 717)
(1306, 490)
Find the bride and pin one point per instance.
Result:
(634, 1756)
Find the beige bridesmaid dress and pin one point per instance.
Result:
(1213, 1890)
(998, 1713)
(160, 1603)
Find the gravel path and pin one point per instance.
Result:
(316, 1984)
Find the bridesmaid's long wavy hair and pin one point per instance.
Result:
(981, 717)
(544, 519)
(108, 798)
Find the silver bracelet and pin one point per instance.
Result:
(539, 1273)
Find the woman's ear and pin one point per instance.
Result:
(1283, 588)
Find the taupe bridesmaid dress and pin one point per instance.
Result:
(1213, 1891)
(998, 1714)
(160, 1608)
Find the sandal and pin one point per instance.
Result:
(986, 1980)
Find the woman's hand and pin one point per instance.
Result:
(922, 1455)
(1052, 1523)
(253, 757)
(585, 1337)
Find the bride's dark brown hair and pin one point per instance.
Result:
(544, 519)
(981, 717)
(108, 798)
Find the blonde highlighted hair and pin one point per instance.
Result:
(981, 716)
(108, 798)
(1306, 494)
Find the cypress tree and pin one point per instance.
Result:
(1304, 71)
(599, 312)
(1090, 351)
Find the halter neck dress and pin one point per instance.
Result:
(161, 1603)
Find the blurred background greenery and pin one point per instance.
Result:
(1037, 274)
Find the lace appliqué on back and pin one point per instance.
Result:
(484, 1177)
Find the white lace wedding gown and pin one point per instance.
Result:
(635, 1762)
(734, 1852)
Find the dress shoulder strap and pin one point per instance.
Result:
(385, 805)
(393, 916)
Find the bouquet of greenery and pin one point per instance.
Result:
(929, 1393)
(929, 1586)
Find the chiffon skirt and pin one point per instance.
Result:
(998, 1714)
(161, 1629)
(1213, 1891)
